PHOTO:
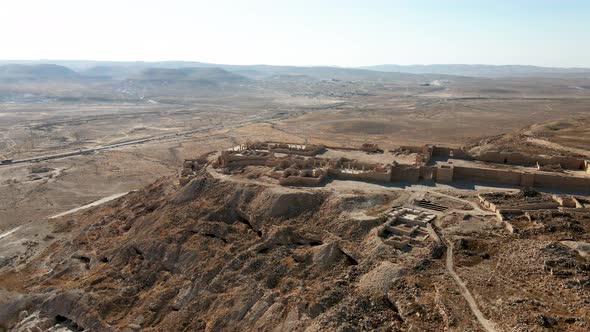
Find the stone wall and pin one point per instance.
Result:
(433, 233)
(292, 148)
(426, 152)
(280, 147)
(444, 174)
(554, 181)
(562, 182)
(487, 175)
(527, 179)
(441, 151)
(513, 209)
(298, 152)
(243, 158)
(302, 181)
(504, 218)
(514, 158)
(369, 176)
(245, 162)
(405, 173)
(360, 171)
(428, 172)
(565, 162)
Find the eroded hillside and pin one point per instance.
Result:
(227, 255)
(221, 255)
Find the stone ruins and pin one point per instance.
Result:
(302, 165)
(404, 228)
(533, 207)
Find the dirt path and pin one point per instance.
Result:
(5, 234)
(557, 146)
(487, 325)
(100, 201)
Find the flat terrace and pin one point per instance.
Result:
(381, 158)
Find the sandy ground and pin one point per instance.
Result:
(389, 116)
(383, 158)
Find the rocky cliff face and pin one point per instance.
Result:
(217, 255)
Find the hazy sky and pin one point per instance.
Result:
(300, 32)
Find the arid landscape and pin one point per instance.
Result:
(434, 202)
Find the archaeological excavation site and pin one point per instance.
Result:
(269, 235)
(389, 189)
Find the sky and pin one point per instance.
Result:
(300, 32)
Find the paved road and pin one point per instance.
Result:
(141, 141)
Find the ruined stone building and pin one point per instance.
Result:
(298, 165)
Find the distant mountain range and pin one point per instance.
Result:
(479, 70)
(184, 71)
(199, 71)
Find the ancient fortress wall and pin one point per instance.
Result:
(527, 179)
(507, 158)
(525, 160)
(290, 151)
(358, 165)
(248, 162)
(370, 176)
(445, 174)
(245, 158)
(281, 147)
(487, 175)
(425, 153)
(512, 177)
(408, 174)
(556, 181)
(300, 149)
(562, 182)
(289, 161)
(565, 162)
(343, 168)
(428, 172)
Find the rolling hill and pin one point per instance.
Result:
(43, 71)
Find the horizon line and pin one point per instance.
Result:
(308, 66)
